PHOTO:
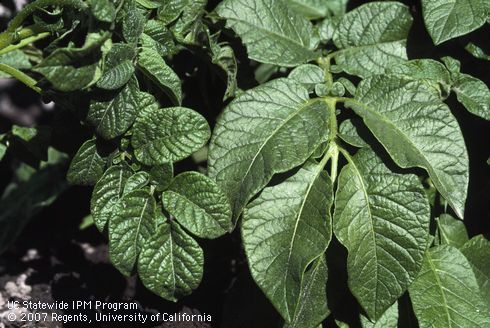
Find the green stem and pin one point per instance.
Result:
(22, 77)
(324, 62)
(24, 42)
(333, 126)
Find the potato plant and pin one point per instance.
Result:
(341, 136)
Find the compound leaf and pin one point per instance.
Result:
(107, 192)
(198, 205)
(171, 262)
(309, 75)
(266, 130)
(417, 130)
(272, 32)
(372, 38)
(168, 134)
(447, 19)
(382, 218)
(133, 224)
(445, 293)
(284, 230)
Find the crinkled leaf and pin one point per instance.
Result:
(309, 75)
(171, 262)
(284, 230)
(103, 10)
(168, 134)
(162, 175)
(136, 181)
(159, 38)
(225, 58)
(133, 224)
(389, 319)
(16, 59)
(113, 113)
(116, 77)
(155, 68)
(198, 205)
(447, 19)
(473, 94)
(417, 130)
(446, 293)
(186, 24)
(451, 231)
(87, 166)
(477, 251)
(312, 306)
(272, 32)
(311, 9)
(382, 218)
(133, 22)
(107, 192)
(372, 38)
(150, 4)
(266, 130)
(171, 10)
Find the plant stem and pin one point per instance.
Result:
(22, 77)
(24, 42)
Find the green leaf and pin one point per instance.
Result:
(473, 94)
(171, 262)
(136, 181)
(16, 59)
(451, 231)
(150, 4)
(423, 69)
(225, 58)
(476, 51)
(3, 150)
(103, 10)
(417, 130)
(309, 75)
(284, 230)
(116, 77)
(272, 32)
(70, 69)
(445, 293)
(198, 205)
(477, 251)
(348, 131)
(312, 306)
(171, 10)
(155, 68)
(113, 114)
(87, 166)
(86, 223)
(159, 38)
(266, 130)
(162, 175)
(372, 38)
(311, 9)
(133, 224)
(168, 135)
(447, 19)
(382, 218)
(190, 19)
(107, 192)
(389, 319)
(133, 22)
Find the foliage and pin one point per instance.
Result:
(343, 139)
